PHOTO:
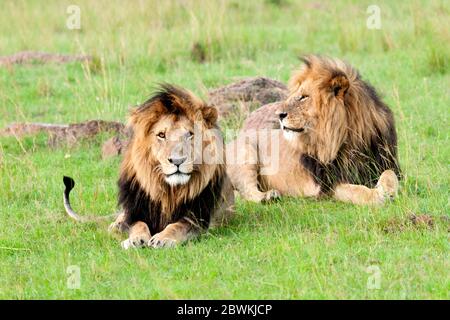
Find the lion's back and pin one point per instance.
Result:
(264, 117)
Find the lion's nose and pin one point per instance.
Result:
(282, 115)
(177, 161)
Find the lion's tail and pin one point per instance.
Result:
(70, 184)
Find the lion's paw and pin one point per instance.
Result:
(136, 241)
(161, 241)
(388, 184)
(271, 195)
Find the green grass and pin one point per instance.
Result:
(296, 248)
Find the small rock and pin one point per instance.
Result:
(198, 53)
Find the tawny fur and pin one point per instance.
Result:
(343, 134)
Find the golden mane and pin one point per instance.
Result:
(347, 141)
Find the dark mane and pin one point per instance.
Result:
(170, 97)
(138, 205)
(358, 166)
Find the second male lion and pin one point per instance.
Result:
(333, 135)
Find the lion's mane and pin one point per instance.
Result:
(357, 145)
(143, 194)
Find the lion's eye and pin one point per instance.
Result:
(190, 135)
(301, 98)
(161, 135)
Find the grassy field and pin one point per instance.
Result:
(294, 249)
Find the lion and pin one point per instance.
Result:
(332, 136)
(173, 182)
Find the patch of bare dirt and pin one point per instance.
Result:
(412, 222)
(27, 57)
(422, 220)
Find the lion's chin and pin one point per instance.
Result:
(177, 179)
(291, 135)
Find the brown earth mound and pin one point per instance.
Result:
(252, 92)
(64, 133)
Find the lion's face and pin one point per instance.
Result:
(314, 116)
(299, 115)
(172, 142)
(175, 141)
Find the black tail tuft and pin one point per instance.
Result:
(69, 183)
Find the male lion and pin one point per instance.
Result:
(173, 182)
(332, 135)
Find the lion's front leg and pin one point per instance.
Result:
(386, 189)
(245, 180)
(173, 234)
(139, 236)
(242, 168)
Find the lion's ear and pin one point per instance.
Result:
(210, 115)
(339, 85)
